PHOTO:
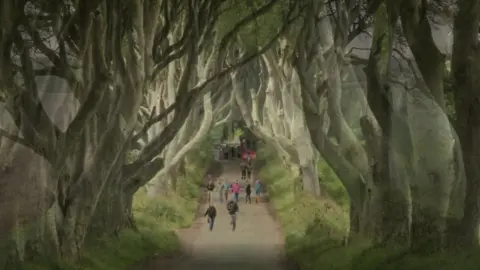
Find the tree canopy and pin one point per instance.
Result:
(110, 97)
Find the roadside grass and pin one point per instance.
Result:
(315, 229)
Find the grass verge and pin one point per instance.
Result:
(315, 228)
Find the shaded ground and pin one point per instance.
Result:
(257, 243)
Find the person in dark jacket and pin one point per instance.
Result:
(243, 168)
(210, 189)
(248, 193)
(232, 208)
(211, 213)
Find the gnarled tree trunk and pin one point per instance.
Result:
(466, 85)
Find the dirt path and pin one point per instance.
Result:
(257, 243)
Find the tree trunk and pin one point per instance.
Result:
(360, 222)
(86, 217)
(418, 33)
(428, 227)
(395, 216)
(457, 200)
(433, 171)
(389, 207)
(113, 212)
(171, 176)
(310, 178)
(70, 234)
(387, 196)
(45, 241)
(351, 178)
(26, 197)
(468, 116)
(83, 197)
(365, 217)
(363, 213)
(465, 68)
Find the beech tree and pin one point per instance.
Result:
(402, 167)
(114, 57)
(465, 85)
(416, 174)
(148, 80)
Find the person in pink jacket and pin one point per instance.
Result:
(236, 190)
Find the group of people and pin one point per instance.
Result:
(232, 208)
(232, 205)
(226, 188)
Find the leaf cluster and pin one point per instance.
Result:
(264, 27)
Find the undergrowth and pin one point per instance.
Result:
(315, 229)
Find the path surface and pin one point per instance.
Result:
(257, 243)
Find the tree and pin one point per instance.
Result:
(465, 84)
(382, 174)
(318, 60)
(111, 54)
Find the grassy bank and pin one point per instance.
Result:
(156, 220)
(315, 228)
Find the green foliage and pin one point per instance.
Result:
(239, 133)
(156, 220)
(132, 155)
(261, 30)
(199, 159)
(301, 215)
(176, 209)
(332, 186)
(450, 105)
(362, 256)
(115, 253)
(170, 212)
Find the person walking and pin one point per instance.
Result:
(226, 189)
(258, 190)
(243, 168)
(236, 190)
(232, 208)
(249, 158)
(248, 193)
(210, 188)
(211, 214)
(220, 191)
